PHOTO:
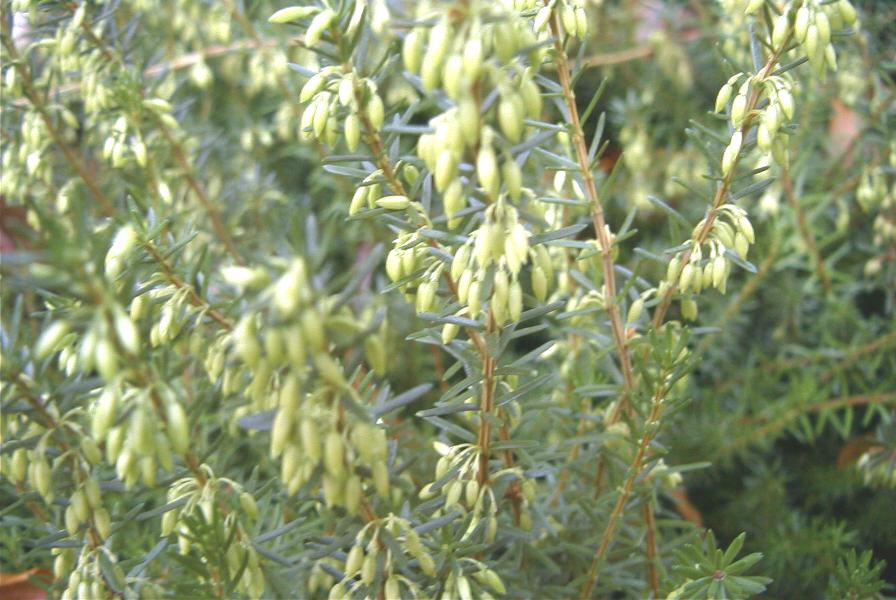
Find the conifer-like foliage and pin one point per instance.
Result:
(449, 299)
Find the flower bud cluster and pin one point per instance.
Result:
(305, 436)
(124, 243)
(216, 505)
(472, 61)
(85, 506)
(456, 479)
(667, 479)
(277, 348)
(332, 95)
(584, 304)
(572, 17)
(370, 560)
(499, 249)
(86, 578)
(731, 231)
(460, 129)
(118, 147)
(465, 60)
(813, 24)
(27, 162)
(367, 194)
(29, 153)
(141, 431)
(876, 194)
(37, 468)
(476, 582)
(111, 336)
(454, 55)
(775, 115)
(408, 255)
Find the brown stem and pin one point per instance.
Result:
(634, 471)
(194, 298)
(603, 237)
(636, 52)
(597, 211)
(486, 408)
(215, 217)
(489, 363)
(805, 233)
(791, 415)
(653, 576)
(93, 536)
(885, 341)
(658, 317)
(36, 404)
(513, 490)
(372, 137)
(619, 56)
(439, 367)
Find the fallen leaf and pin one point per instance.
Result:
(844, 129)
(22, 586)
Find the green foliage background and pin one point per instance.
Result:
(782, 427)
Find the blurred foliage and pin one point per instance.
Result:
(213, 386)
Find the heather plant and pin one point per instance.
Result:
(440, 300)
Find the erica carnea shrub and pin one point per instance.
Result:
(448, 300)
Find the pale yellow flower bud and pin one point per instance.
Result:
(412, 51)
(723, 97)
(292, 13)
(687, 275)
(763, 138)
(738, 109)
(449, 332)
(319, 24)
(178, 426)
(49, 340)
(334, 454)
(376, 111)
(753, 6)
(510, 120)
(515, 300)
(729, 157)
(719, 271)
(801, 23)
(780, 30)
(487, 171)
(472, 58)
(741, 245)
(352, 132)
(446, 169)
(473, 300)
(393, 202)
(847, 12)
(513, 178)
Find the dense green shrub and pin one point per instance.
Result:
(449, 300)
